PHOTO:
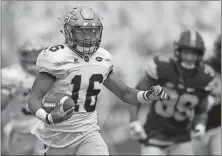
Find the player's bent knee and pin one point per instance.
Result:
(92, 149)
(93, 144)
(100, 150)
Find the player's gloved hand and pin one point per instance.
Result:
(156, 92)
(56, 116)
(137, 131)
(198, 132)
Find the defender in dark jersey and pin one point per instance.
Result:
(214, 119)
(213, 136)
(188, 82)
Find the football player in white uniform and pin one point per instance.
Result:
(79, 67)
(17, 81)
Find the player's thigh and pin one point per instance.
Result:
(151, 150)
(59, 151)
(181, 149)
(93, 144)
(214, 142)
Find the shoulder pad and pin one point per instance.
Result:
(211, 85)
(154, 66)
(49, 59)
(104, 53)
(217, 90)
(210, 75)
(209, 71)
(107, 60)
(55, 48)
(56, 52)
(151, 69)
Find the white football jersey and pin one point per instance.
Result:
(78, 77)
(16, 77)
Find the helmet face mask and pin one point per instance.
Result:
(83, 30)
(189, 57)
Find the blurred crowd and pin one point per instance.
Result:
(133, 31)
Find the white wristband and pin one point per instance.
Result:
(41, 114)
(141, 97)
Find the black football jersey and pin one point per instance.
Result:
(174, 116)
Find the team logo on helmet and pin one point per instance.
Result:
(70, 17)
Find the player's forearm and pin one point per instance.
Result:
(35, 106)
(42, 84)
(34, 103)
(135, 97)
(144, 84)
(130, 96)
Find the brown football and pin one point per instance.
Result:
(49, 103)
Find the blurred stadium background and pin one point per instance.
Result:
(133, 31)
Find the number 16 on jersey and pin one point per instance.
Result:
(85, 98)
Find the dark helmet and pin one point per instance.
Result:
(190, 40)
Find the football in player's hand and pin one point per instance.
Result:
(50, 102)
